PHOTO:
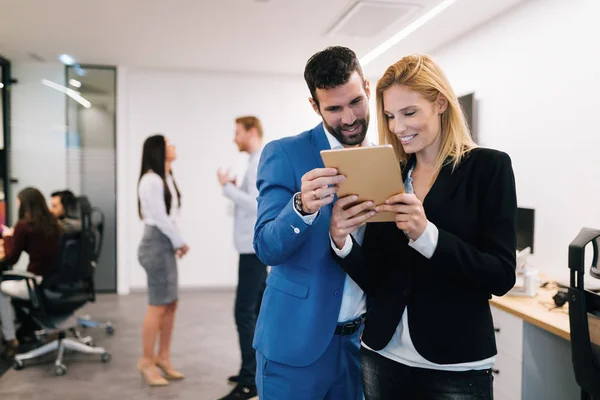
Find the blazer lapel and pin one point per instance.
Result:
(445, 184)
(320, 142)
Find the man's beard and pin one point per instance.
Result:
(353, 140)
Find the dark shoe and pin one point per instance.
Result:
(234, 379)
(11, 347)
(242, 393)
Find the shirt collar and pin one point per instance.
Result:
(256, 153)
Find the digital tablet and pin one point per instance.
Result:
(372, 173)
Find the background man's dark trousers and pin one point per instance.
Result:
(251, 285)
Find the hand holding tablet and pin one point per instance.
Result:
(372, 174)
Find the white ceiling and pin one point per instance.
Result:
(274, 36)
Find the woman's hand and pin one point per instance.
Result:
(182, 251)
(343, 222)
(6, 231)
(410, 215)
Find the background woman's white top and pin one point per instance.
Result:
(151, 191)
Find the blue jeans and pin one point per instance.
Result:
(385, 379)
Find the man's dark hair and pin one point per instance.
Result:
(67, 199)
(330, 68)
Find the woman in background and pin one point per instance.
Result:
(38, 234)
(430, 274)
(158, 204)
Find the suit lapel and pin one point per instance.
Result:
(320, 142)
(446, 182)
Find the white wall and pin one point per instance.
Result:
(535, 73)
(196, 111)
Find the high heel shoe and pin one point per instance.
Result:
(151, 375)
(168, 371)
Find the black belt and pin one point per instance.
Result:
(349, 328)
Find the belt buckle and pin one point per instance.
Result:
(348, 327)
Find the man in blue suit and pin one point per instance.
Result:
(308, 331)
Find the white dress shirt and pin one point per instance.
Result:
(246, 206)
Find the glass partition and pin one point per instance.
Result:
(91, 154)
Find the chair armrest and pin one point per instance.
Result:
(13, 275)
(33, 288)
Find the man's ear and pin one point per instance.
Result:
(314, 105)
(368, 88)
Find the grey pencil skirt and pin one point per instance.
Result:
(157, 256)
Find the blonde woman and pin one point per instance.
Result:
(428, 277)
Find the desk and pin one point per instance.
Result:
(536, 311)
(534, 352)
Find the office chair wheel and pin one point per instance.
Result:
(18, 365)
(110, 330)
(60, 370)
(105, 357)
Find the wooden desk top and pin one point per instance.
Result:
(536, 311)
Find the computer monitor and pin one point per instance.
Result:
(525, 228)
(467, 102)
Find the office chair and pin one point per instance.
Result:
(92, 221)
(584, 315)
(52, 303)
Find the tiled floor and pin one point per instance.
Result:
(205, 348)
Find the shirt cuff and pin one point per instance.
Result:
(227, 189)
(308, 219)
(345, 250)
(427, 242)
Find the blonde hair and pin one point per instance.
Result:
(421, 74)
(249, 122)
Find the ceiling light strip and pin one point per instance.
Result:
(69, 92)
(419, 22)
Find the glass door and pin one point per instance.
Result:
(91, 155)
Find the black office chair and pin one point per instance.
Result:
(584, 315)
(92, 221)
(51, 304)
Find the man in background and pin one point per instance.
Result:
(63, 206)
(252, 272)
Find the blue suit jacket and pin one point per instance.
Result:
(301, 303)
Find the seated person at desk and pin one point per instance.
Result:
(429, 274)
(38, 234)
(63, 205)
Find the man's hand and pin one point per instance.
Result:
(224, 177)
(318, 188)
(345, 220)
(410, 215)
